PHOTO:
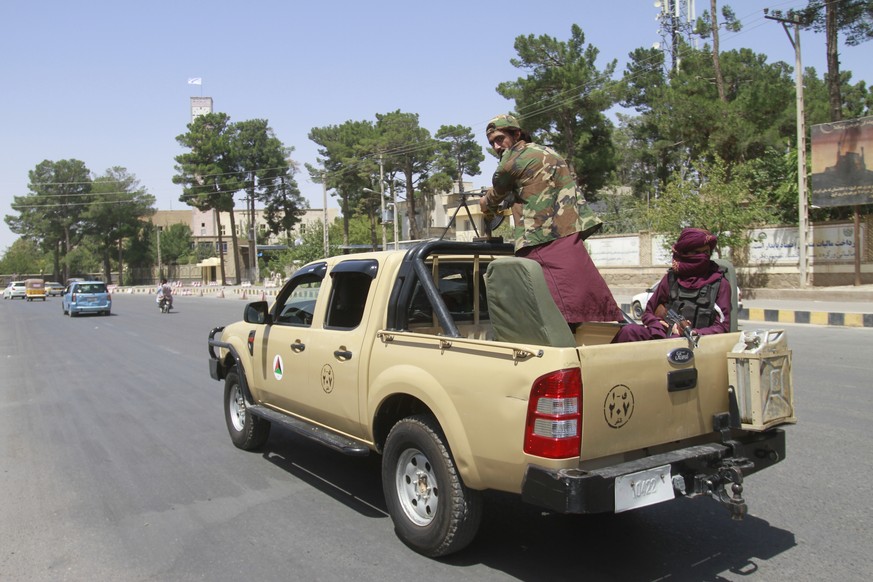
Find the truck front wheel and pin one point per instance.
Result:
(433, 512)
(247, 431)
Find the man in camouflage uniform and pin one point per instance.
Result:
(555, 220)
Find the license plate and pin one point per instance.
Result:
(643, 488)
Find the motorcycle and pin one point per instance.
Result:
(164, 304)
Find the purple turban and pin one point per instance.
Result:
(694, 238)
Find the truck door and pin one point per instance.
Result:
(283, 350)
(336, 359)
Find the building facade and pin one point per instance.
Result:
(205, 228)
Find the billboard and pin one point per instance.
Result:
(840, 173)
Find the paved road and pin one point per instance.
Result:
(115, 464)
(843, 306)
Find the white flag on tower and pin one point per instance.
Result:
(195, 81)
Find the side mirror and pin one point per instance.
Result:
(257, 312)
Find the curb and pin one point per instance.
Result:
(834, 318)
(811, 317)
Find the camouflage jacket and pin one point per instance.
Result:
(541, 179)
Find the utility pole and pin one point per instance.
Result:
(160, 267)
(324, 214)
(382, 203)
(394, 203)
(802, 206)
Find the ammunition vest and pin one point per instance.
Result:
(695, 305)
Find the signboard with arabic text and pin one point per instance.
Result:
(779, 245)
(840, 174)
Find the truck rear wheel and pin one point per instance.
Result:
(247, 431)
(433, 512)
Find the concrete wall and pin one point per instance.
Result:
(637, 260)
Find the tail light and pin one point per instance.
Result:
(73, 298)
(554, 415)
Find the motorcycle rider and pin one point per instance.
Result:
(165, 291)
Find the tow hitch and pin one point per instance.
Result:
(728, 476)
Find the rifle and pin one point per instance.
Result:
(684, 326)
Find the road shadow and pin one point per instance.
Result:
(687, 539)
(356, 482)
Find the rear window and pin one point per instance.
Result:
(91, 288)
(456, 286)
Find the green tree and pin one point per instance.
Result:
(707, 26)
(684, 121)
(176, 242)
(262, 162)
(458, 153)
(209, 174)
(710, 198)
(286, 206)
(141, 250)
(563, 101)
(24, 257)
(346, 163)
(410, 152)
(83, 260)
(60, 192)
(645, 157)
(309, 246)
(854, 18)
(773, 178)
(857, 99)
(118, 208)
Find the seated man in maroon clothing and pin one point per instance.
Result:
(694, 287)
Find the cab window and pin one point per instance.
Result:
(348, 298)
(296, 305)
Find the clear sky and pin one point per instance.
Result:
(105, 81)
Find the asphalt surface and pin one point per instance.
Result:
(115, 464)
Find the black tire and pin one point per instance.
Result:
(247, 431)
(637, 310)
(433, 512)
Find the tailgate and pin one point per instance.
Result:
(634, 397)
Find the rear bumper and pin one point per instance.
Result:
(577, 491)
(90, 307)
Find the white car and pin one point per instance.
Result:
(15, 289)
(640, 300)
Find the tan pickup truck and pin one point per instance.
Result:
(452, 361)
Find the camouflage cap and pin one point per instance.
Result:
(502, 121)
